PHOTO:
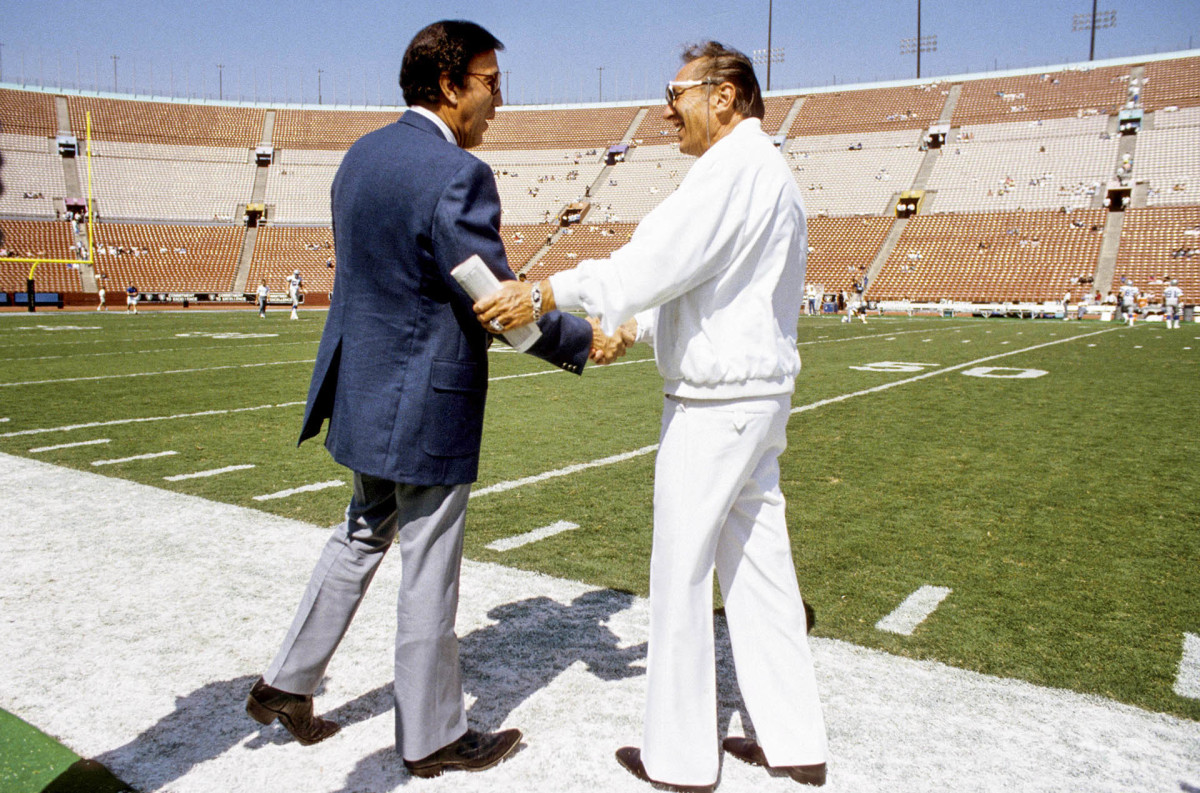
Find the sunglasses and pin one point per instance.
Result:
(675, 88)
(492, 81)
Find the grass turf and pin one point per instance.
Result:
(1061, 509)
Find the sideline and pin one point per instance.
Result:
(128, 684)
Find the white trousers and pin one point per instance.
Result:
(717, 503)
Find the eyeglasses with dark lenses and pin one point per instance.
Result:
(492, 81)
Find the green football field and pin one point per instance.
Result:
(1042, 474)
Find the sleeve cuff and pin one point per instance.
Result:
(566, 290)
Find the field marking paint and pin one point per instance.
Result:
(221, 412)
(151, 374)
(135, 457)
(1013, 373)
(955, 368)
(118, 422)
(878, 337)
(69, 445)
(225, 347)
(302, 489)
(500, 487)
(210, 472)
(915, 609)
(508, 543)
(1187, 681)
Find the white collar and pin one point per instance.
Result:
(436, 119)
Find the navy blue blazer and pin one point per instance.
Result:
(401, 372)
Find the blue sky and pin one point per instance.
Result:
(272, 51)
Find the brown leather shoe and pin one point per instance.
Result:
(295, 713)
(630, 758)
(750, 752)
(475, 751)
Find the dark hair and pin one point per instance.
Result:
(727, 65)
(443, 47)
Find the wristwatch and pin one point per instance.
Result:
(535, 297)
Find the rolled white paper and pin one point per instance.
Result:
(479, 281)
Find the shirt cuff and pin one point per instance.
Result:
(566, 290)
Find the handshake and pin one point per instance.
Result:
(518, 303)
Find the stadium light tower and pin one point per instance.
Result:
(1093, 22)
(600, 89)
(770, 54)
(920, 43)
(220, 81)
(319, 73)
(115, 58)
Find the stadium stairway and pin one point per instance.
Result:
(258, 195)
(885, 250)
(1106, 262)
(87, 274)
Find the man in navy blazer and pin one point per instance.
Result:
(401, 377)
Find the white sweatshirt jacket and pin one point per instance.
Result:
(715, 275)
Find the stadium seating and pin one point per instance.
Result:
(166, 122)
(170, 182)
(280, 250)
(1172, 83)
(27, 113)
(1024, 165)
(839, 180)
(167, 258)
(840, 250)
(578, 243)
(872, 110)
(30, 168)
(34, 238)
(1158, 244)
(1072, 92)
(1017, 256)
(1013, 207)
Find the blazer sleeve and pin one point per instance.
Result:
(466, 222)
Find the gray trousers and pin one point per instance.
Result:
(427, 523)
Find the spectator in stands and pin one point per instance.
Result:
(401, 376)
(714, 277)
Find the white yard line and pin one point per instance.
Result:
(1187, 681)
(154, 374)
(500, 487)
(148, 456)
(302, 489)
(208, 473)
(227, 347)
(915, 609)
(936, 372)
(69, 445)
(119, 422)
(508, 543)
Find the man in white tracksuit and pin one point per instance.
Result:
(714, 279)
